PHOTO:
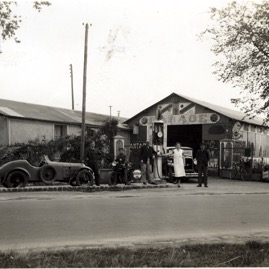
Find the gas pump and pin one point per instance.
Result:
(157, 140)
(157, 133)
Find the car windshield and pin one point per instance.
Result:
(43, 160)
(188, 152)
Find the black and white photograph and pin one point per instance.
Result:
(134, 133)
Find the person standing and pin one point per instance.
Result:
(92, 158)
(179, 169)
(202, 157)
(147, 156)
(122, 165)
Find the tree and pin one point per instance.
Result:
(240, 36)
(104, 139)
(10, 22)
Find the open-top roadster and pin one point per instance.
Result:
(20, 172)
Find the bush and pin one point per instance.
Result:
(66, 149)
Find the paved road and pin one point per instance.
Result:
(226, 211)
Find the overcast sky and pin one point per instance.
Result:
(139, 52)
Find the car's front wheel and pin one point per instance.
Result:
(84, 177)
(48, 174)
(16, 179)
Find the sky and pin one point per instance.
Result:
(139, 52)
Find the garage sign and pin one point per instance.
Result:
(202, 118)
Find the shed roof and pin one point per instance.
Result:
(52, 114)
(230, 113)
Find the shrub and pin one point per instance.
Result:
(66, 149)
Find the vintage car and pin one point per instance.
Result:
(20, 172)
(190, 164)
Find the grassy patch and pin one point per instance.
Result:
(251, 254)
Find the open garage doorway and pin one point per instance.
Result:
(186, 135)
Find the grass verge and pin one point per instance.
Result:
(250, 254)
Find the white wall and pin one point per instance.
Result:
(22, 131)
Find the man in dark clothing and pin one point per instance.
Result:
(202, 157)
(121, 166)
(92, 158)
(121, 158)
(147, 155)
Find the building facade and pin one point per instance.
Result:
(229, 135)
(24, 122)
(189, 121)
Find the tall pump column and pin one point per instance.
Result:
(157, 141)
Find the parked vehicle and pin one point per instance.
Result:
(20, 172)
(118, 174)
(190, 164)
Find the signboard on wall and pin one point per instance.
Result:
(202, 118)
(226, 154)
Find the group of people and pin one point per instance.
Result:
(147, 156)
(202, 157)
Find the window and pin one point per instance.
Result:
(252, 128)
(60, 131)
(246, 127)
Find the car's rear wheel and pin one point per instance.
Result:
(170, 175)
(16, 179)
(84, 177)
(48, 174)
(113, 178)
(4, 184)
(73, 182)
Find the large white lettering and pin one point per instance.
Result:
(204, 118)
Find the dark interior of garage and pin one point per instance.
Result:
(186, 135)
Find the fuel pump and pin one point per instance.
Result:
(157, 140)
(157, 136)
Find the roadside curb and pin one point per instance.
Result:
(84, 188)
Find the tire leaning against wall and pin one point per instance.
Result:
(48, 174)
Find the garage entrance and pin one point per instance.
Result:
(186, 135)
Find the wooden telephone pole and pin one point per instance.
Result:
(84, 94)
(72, 85)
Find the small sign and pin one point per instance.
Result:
(137, 174)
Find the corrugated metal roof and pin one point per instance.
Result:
(52, 114)
(230, 113)
(8, 111)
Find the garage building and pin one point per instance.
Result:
(178, 118)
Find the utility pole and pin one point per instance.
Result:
(72, 85)
(110, 111)
(118, 114)
(84, 94)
